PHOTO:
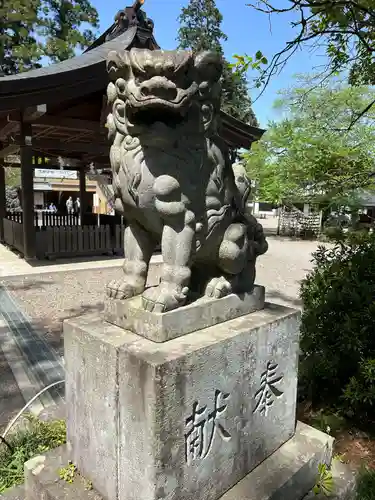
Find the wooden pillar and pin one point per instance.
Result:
(27, 186)
(2, 202)
(82, 193)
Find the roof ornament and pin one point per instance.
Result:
(128, 17)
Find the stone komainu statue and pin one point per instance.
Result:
(173, 180)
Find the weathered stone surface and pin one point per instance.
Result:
(286, 475)
(17, 493)
(183, 419)
(202, 313)
(290, 471)
(91, 358)
(173, 179)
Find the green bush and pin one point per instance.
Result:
(37, 437)
(366, 485)
(338, 328)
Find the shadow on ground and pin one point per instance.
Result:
(283, 298)
(71, 260)
(26, 285)
(11, 400)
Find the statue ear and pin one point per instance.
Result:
(209, 66)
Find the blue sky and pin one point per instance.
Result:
(247, 31)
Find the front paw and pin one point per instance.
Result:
(218, 287)
(123, 289)
(164, 297)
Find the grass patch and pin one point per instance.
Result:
(366, 485)
(37, 438)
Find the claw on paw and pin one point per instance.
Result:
(164, 297)
(122, 289)
(218, 287)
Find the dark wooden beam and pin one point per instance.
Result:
(82, 194)
(55, 167)
(104, 112)
(27, 191)
(8, 129)
(27, 116)
(70, 147)
(63, 123)
(9, 150)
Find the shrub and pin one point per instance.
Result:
(365, 489)
(338, 324)
(38, 437)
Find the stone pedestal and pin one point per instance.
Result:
(187, 418)
(287, 474)
(201, 314)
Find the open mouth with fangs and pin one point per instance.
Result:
(148, 116)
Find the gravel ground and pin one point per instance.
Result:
(48, 299)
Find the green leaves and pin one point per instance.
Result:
(308, 155)
(32, 29)
(37, 438)
(200, 29)
(324, 482)
(338, 361)
(345, 28)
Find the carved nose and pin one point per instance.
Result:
(159, 86)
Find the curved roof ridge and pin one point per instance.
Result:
(83, 60)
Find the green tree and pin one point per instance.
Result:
(200, 29)
(345, 28)
(31, 29)
(67, 27)
(19, 50)
(310, 155)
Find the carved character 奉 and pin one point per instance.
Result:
(173, 180)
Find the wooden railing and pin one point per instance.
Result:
(51, 219)
(15, 216)
(56, 219)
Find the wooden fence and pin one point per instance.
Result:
(13, 234)
(15, 216)
(56, 219)
(51, 219)
(61, 235)
(73, 241)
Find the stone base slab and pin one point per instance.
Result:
(288, 474)
(202, 313)
(182, 419)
